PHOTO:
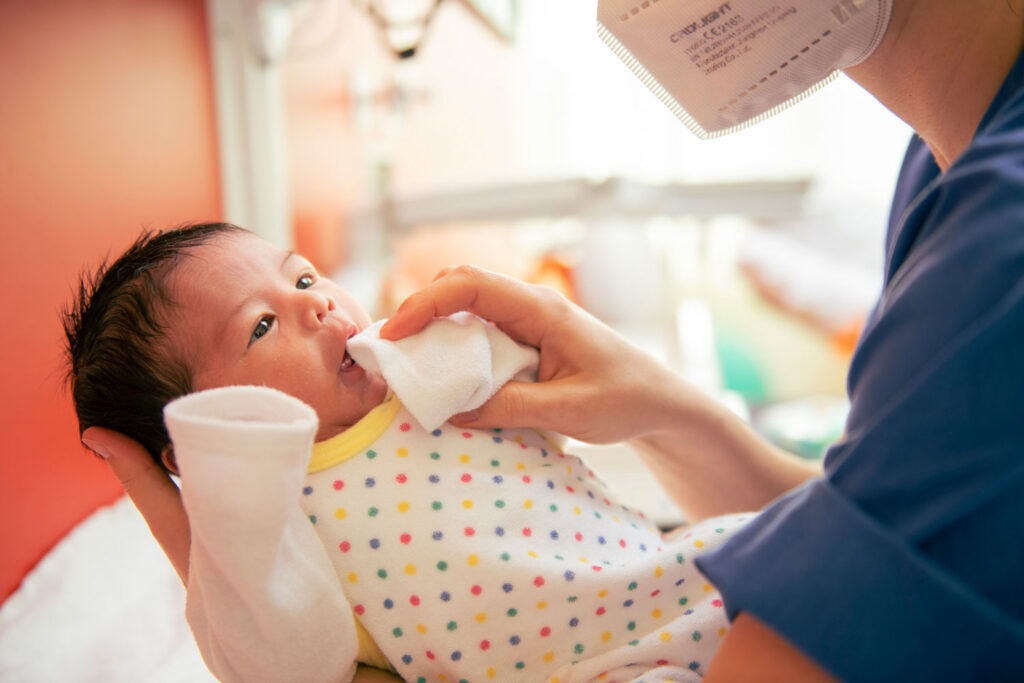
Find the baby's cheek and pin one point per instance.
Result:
(264, 367)
(355, 311)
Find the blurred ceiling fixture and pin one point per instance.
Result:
(402, 23)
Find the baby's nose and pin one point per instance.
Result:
(318, 307)
(327, 306)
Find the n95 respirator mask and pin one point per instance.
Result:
(723, 66)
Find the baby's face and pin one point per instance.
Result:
(248, 313)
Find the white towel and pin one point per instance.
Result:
(453, 365)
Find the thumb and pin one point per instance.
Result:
(516, 404)
(130, 462)
(154, 494)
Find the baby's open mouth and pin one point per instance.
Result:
(347, 363)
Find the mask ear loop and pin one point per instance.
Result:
(387, 25)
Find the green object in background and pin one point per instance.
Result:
(740, 372)
(804, 426)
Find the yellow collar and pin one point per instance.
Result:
(353, 440)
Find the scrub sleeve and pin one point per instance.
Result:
(905, 561)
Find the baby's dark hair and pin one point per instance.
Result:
(121, 369)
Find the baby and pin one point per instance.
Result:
(441, 553)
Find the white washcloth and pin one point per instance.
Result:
(453, 365)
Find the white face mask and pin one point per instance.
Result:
(723, 66)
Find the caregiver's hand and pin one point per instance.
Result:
(149, 487)
(595, 386)
(583, 363)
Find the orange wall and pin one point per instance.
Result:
(106, 127)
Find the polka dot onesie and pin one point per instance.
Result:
(491, 555)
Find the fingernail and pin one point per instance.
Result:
(468, 416)
(97, 448)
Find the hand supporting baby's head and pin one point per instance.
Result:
(205, 306)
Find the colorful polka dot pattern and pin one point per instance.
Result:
(493, 556)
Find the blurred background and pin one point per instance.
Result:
(386, 139)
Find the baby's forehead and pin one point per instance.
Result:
(233, 255)
(241, 247)
(209, 285)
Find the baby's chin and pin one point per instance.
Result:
(370, 395)
(375, 392)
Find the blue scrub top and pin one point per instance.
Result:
(905, 561)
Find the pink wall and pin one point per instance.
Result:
(106, 127)
(461, 130)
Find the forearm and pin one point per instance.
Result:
(710, 461)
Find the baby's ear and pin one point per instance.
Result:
(167, 458)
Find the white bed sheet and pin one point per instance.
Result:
(103, 605)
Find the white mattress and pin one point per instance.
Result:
(103, 605)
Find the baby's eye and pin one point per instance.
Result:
(262, 327)
(305, 282)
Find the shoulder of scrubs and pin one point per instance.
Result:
(904, 562)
